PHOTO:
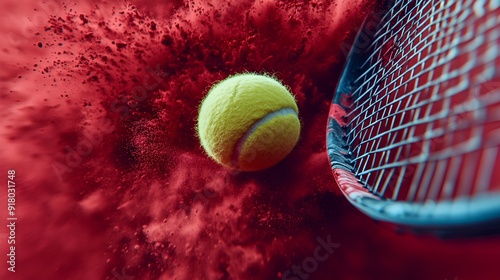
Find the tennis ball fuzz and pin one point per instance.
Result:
(248, 122)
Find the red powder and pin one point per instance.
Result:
(99, 103)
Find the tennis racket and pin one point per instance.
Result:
(413, 132)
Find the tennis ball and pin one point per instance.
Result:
(248, 122)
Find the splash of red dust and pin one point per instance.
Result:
(99, 102)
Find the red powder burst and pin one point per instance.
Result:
(99, 102)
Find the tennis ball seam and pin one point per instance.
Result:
(262, 121)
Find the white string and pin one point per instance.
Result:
(421, 85)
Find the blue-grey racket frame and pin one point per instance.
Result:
(461, 217)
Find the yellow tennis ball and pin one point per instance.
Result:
(248, 122)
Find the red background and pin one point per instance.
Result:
(98, 108)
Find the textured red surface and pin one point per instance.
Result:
(98, 106)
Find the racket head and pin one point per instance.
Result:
(413, 130)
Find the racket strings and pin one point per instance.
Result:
(422, 116)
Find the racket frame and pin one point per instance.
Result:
(449, 218)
